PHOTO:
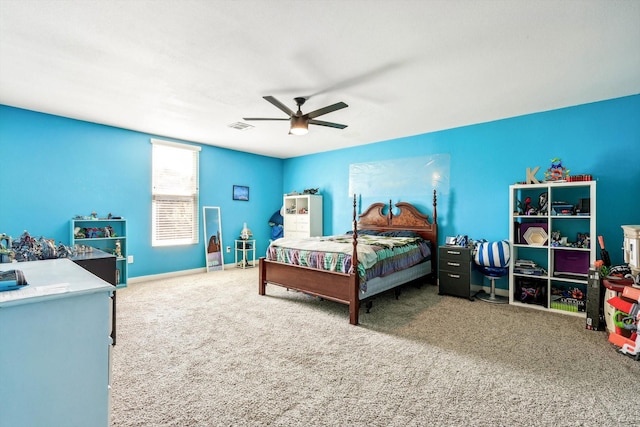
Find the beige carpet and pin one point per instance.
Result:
(207, 350)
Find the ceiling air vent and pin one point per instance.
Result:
(241, 126)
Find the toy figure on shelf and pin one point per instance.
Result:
(543, 203)
(556, 172)
(528, 209)
(583, 240)
(527, 205)
(6, 255)
(92, 233)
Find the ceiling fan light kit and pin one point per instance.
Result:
(299, 125)
(300, 122)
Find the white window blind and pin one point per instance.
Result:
(175, 190)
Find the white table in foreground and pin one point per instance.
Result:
(55, 347)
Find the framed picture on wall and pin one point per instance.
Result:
(241, 192)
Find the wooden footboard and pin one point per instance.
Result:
(338, 287)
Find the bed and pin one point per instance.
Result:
(351, 286)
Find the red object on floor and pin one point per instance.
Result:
(617, 285)
(620, 304)
(631, 293)
(620, 341)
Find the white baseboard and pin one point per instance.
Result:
(165, 275)
(138, 279)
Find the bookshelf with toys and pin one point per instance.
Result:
(106, 234)
(551, 225)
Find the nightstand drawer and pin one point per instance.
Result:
(453, 265)
(455, 254)
(454, 271)
(455, 283)
(451, 277)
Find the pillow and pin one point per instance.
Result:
(400, 233)
(367, 232)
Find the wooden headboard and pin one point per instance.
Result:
(408, 218)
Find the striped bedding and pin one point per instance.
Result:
(378, 256)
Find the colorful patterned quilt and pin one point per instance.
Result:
(378, 256)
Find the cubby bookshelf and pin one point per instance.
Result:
(302, 215)
(559, 239)
(106, 235)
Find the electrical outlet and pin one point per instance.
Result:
(130, 259)
(228, 249)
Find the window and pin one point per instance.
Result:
(174, 193)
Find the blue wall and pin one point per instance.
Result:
(55, 168)
(602, 139)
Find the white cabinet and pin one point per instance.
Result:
(559, 240)
(302, 215)
(55, 347)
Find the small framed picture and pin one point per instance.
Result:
(241, 192)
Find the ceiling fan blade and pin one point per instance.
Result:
(325, 110)
(280, 105)
(262, 118)
(352, 81)
(327, 124)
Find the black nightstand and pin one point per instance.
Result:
(100, 263)
(455, 271)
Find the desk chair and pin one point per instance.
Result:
(492, 259)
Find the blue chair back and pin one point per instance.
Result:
(493, 254)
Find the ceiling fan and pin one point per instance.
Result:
(300, 122)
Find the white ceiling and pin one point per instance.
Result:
(187, 69)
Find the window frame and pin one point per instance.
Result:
(175, 198)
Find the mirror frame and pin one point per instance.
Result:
(213, 247)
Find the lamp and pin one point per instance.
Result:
(245, 234)
(299, 125)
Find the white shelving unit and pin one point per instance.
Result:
(94, 234)
(302, 215)
(571, 211)
(245, 253)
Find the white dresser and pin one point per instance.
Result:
(302, 215)
(55, 347)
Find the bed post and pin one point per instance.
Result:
(434, 254)
(262, 283)
(435, 210)
(354, 300)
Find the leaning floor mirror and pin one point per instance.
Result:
(212, 238)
